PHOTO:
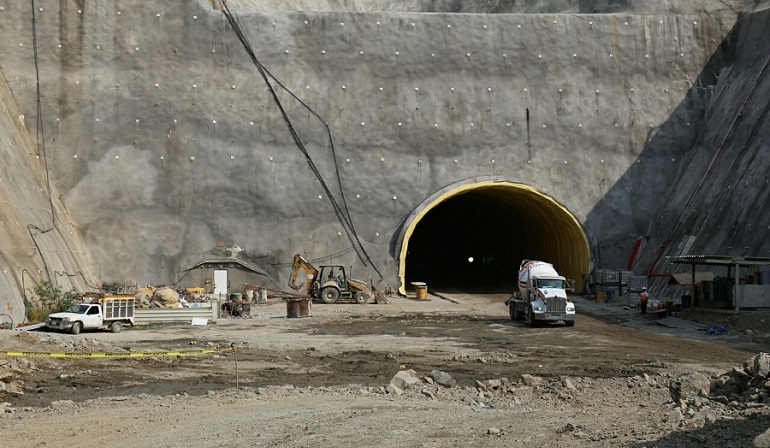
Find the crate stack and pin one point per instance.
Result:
(612, 283)
(635, 285)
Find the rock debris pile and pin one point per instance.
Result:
(747, 385)
(11, 384)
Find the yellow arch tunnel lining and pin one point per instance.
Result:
(563, 241)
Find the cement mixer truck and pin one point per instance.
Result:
(541, 295)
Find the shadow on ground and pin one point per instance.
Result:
(739, 432)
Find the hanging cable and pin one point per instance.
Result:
(342, 212)
(707, 170)
(78, 273)
(345, 251)
(40, 141)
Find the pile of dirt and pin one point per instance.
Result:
(749, 384)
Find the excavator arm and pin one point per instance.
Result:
(310, 274)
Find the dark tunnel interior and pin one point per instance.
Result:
(496, 228)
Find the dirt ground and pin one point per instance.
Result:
(321, 381)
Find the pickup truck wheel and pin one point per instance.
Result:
(569, 323)
(76, 327)
(512, 310)
(116, 327)
(362, 297)
(329, 295)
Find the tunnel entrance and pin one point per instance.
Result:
(471, 237)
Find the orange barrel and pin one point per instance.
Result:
(421, 290)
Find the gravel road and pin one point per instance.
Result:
(324, 381)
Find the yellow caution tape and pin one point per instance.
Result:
(112, 354)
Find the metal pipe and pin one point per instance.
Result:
(735, 290)
(694, 300)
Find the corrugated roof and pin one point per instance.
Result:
(685, 278)
(719, 260)
(227, 262)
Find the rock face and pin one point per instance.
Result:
(466, 96)
(28, 200)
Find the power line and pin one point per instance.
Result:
(342, 212)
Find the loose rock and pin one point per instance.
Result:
(442, 378)
(405, 379)
(689, 385)
(532, 381)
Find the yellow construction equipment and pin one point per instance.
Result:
(329, 284)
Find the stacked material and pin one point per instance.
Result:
(151, 297)
(143, 297)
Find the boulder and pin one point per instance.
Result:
(728, 389)
(566, 383)
(489, 384)
(166, 297)
(442, 378)
(532, 381)
(143, 297)
(706, 415)
(393, 390)
(741, 378)
(763, 440)
(721, 399)
(689, 385)
(14, 388)
(761, 366)
(405, 379)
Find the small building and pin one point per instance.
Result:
(222, 276)
(734, 282)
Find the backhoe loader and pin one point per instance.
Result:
(329, 284)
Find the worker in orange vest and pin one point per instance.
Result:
(643, 300)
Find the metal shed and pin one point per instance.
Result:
(753, 294)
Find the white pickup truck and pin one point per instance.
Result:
(105, 313)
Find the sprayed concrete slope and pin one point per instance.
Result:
(167, 148)
(34, 244)
(718, 198)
